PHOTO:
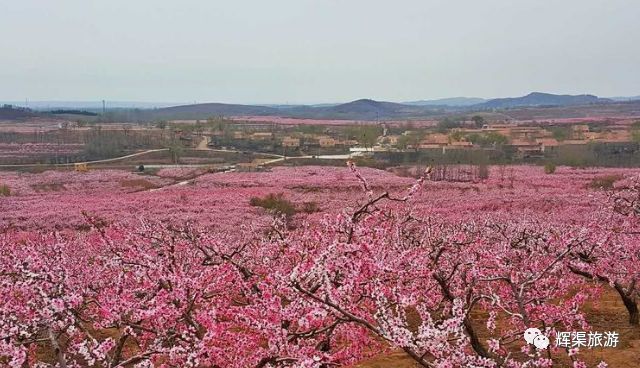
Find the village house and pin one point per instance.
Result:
(526, 133)
(460, 144)
(290, 142)
(262, 136)
(326, 141)
(504, 129)
(547, 143)
(591, 136)
(430, 146)
(616, 136)
(527, 149)
(437, 140)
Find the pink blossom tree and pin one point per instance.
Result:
(612, 254)
(326, 293)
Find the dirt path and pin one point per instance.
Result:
(203, 145)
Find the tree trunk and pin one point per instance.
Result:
(629, 303)
(62, 363)
(473, 337)
(475, 342)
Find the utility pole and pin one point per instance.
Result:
(104, 107)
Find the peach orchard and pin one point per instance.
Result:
(98, 269)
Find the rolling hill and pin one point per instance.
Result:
(544, 104)
(541, 99)
(364, 109)
(367, 109)
(206, 110)
(453, 102)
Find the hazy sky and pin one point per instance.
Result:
(305, 51)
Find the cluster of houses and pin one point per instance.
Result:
(295, 140)
(526, 140)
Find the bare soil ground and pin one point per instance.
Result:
(608, 314)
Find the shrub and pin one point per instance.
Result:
(483, 171)
(310, 207)
(604, 182)
(5, 191)
(275, 203)
(549, 168)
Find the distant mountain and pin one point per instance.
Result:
(288, 106)
(453, 101)
(603, 110)
(370, 108)
(206, 110)
(625, 99)
(364, 109)
(541, 99)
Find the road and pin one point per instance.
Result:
(203, 145)
(89, 162)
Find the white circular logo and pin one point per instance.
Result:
(531, 334)
(541, 342)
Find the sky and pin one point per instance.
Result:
(314, 51)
